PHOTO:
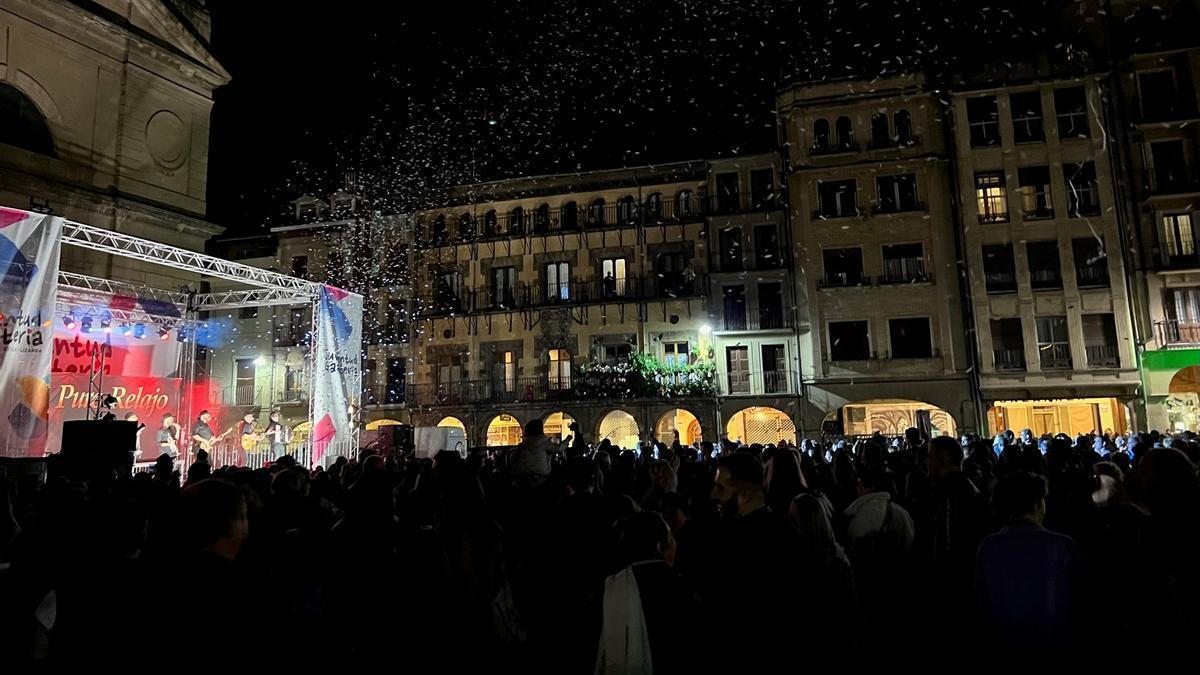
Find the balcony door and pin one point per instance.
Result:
(738, 360)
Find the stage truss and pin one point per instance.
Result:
(267, 288)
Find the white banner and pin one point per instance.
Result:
(29, 255)
(337, 371)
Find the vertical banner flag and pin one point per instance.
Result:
(29, 254)
(337, 376)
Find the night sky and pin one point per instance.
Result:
(417, 96)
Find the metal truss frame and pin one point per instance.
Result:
(268, 288)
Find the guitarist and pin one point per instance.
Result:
(279, 435)
(168, 436)
(202, 433)
(250, 433)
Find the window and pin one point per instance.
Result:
(881, 136)
(596, 213)
(541, 218)
(999, 268)
(1027, 117)
(731, 249)
(1100, 341)
(1008, 344)
(397, 326)
(727, 192)
(654, 206)
(983, 120)
(1091, 263)
(395, 266)
(849, 341)
(766, 247)
(671, 268)
(395, 381)
(568, 216)
(837, 198)
(684, 204)
(489, 223)
(1034, 184)
(22, 124)
(843, 266)
(626, 210)
(738, 359)
(244, 383)
(734, 307)
(558, 282)
(300, 266)
(1070, 105)
(516, 220)
(560, 369)
(1158, 95)
(248, 313)
(506, 365)
(1183, 307)
(1054, 346)
(1083, 196)
(294, 381)
(504, 287)
(438, 230)
(896, 193)
(612, 275)
(676, 354)
(903, 263)
(845, 134)
(910, 338)
(466, 226)
(762, 188)
(1171, 173)
(617, 352)
(991, 197)
(1178, 238)
(820, 136)
(774, 364)
(297, 326)
(449, 293)
(904, 131)
(770, 306)
(1045, 270)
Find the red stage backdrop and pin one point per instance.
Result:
(140, 373)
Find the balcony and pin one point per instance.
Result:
(742, 202)
(899, 207)
(1045, 279)
(1055, 356)
(758, 261)
(1176, 334)
(1009, 360)
(770, 382)
(1166, 110)
(830, 213)
(1176, 180)
(663, 286)
(560, 220)
(1000, 282)
(843, 280)
(908, 274)
(832, 149)
(767, 318)
(1103, 356)
(893, 143)
(1092, 276)
(386, 394)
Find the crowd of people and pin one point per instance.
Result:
(564, 558)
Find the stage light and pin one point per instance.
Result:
(164, 333)
(126, 329)
(106, 324)
(139, 331)
(85, 324)
(69, 322)
(705, 329)
(181, 334)
(260, 361)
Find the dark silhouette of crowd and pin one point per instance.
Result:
(566, 558)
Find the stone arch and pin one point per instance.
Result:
(556, 424)
(23, 122)
(1183, 399)
(503, 429)
(451, 421)
(890, 417)
(761, 424)
(619, 426)
(682, 420)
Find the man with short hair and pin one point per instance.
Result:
(1027, 577)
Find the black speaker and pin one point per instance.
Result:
(87, 444)
(395, 436)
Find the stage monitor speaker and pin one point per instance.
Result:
(87, 444)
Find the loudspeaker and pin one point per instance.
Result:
(87, 444)
(395, 436)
